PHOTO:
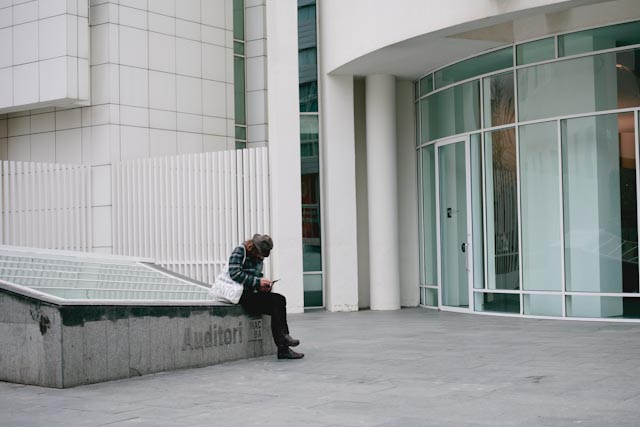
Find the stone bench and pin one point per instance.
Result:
(50, 345)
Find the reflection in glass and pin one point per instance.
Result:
(499, 303)
(502, 210)
(308, 86)
(600, 205)
(312, 257)
(429, 271)
(451, 111)
(312, 290)
(542, 305)
(307, 57)
(453, 224)
(540, 207)
(599, 38)
(483, 64)
(476, 211)
(594, 306)
(499, 108)
(536, 51)
(582, 85)
(429, 297)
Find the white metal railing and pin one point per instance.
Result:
(188, 212)
(46, 205)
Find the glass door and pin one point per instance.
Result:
(454, 227)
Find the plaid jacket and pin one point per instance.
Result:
(247, 274)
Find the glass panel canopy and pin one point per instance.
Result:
(76, 278)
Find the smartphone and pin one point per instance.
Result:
(274, 281)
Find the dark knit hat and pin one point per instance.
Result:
(263, 244)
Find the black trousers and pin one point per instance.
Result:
(272, 304)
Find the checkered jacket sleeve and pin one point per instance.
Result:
(247, 274)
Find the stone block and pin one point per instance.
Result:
(117, 348)
(94, 356)
(66, 346)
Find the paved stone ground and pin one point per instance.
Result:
(413, 367)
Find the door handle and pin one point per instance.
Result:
(464, 248)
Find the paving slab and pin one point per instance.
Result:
(410, 367)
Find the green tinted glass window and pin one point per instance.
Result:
(498, 303)
(582, 85)
(540, 207)
(499, 105)
(600, 204)
(542, 305)
(501, 210)
(238, 19)
(238, 48)
(426, 84)
(312, 284)
(536, 51)
(451, 111)
(599, 38)
(429, 272)
(595, 306)
(310, 188)
(241, 132)
(494, 61)
(238, 89)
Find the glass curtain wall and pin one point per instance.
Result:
(552, 126)
(310, 154)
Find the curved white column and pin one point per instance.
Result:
(382, 183)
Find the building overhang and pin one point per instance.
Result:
(412, 58)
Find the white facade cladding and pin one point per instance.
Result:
(134, 84)
(44, 54)
(470, 156)
(496, 210)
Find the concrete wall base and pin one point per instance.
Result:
(65, 346)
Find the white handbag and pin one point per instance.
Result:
(226, 289)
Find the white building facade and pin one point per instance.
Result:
(481, 156)
(475, 156)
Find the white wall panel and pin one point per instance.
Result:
(162, 23)
(162, 52)
(69, 146)
(188, 30)
(6, 17)
(134, 86)
(25, 84)
(6, 47)
(43, 147)
(25, 43)
(164, 7)
(188, 212)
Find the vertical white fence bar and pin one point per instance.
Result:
(45, 205)
(188, 212)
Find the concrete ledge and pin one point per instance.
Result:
(65, 346)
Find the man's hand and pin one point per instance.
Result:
(265, 285)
